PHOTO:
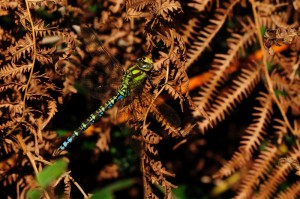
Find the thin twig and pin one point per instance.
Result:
(60, 178)
(33, 57)
(78, 186)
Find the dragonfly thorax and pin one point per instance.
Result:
(134, 76)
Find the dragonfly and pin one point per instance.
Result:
(132, 79)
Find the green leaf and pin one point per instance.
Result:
(180, 192)
(262, 30)
(34, 194)
(270, 66)
(61, 132)
(88, 145)
(103, 194)
(94, 8)
(121, 184)
(107, 192)
(280, 93)
(51, 172)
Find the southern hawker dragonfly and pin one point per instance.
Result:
(131, 79)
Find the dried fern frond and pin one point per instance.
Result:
(206, 36)
(139, 5)
(14, 69)
(153, 11)
(225, 102)
(167, 7)
(258, 170)
(188, 30)
(40, 3)
(280, 129)
(157, 174)
(200, 6)
(254, 135)
(291, 192)
(22, 49)
(165, 124)
(29, 93)
(277, 176)
(289, 64)
(220, 64)
(287, 92)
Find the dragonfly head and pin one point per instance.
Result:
(145, 63)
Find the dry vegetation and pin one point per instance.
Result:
(212, 58)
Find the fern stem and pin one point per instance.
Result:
(31, 72)
(265, 69)
(33, 59)
(20, 139)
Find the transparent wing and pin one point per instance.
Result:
(102, 72)
(135, 107)
(169, 114)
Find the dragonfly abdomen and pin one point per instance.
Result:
(89, 121)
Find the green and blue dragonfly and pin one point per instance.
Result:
(132, 78)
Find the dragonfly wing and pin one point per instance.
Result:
(135, 108)
(169, 114)
(95, 45)
(102, 73)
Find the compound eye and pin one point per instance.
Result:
(145, 66)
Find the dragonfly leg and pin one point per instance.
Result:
(161, 85)
(152, 84)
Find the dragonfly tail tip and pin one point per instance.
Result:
(56, 152)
